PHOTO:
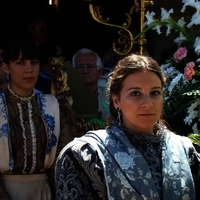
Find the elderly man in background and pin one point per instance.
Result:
(89, 64)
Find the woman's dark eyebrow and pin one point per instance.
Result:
(138, 88)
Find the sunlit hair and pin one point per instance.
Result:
(87, 51)
(19, 44)
(128, 65)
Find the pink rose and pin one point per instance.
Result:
(189, 71)
(180, 54)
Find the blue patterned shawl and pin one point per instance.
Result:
(127, 174)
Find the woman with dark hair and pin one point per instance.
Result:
(32, 132)
(137, 157)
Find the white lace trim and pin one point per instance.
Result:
(33, 137)
(24, 136)
(21, 98)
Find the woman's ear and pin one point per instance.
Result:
(6, 68)
(115, 99)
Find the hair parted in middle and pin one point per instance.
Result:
(128, 65)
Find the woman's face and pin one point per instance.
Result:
(140, 101)
(23, 75)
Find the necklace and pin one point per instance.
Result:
(21, 98)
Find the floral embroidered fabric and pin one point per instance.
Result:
(150, 146)
(105, 165)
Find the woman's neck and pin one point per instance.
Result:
(20, 93)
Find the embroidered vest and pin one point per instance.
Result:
(49, 108)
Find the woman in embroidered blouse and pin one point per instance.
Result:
(33, 129)
(137, 157)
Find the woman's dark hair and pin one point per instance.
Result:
(16, 44)
(126, 66)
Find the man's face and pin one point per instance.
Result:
(86, 64)
(40, 32)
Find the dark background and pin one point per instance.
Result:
(73, 26)
(70, 22)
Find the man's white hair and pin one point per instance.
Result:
(85, 51)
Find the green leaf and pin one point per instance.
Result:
(195, 137)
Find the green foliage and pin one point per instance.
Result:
(195, 137)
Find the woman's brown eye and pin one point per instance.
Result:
(135, 93)
(156, 92)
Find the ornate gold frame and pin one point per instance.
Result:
(126, 38)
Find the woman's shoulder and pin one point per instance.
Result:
(90, 141)
(77, 148)
(47, 101)
(176, 140)
(41, 94)
(87, 140)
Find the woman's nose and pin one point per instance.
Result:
(29, 67)
(147, 102)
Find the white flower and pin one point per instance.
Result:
(193, 3)
(192, 112)
(195, 19)
(187, 3)
(193, 106)
(168, 30)
(194, 128)
(150, 19)
(179, 40)
(157, 28)
(165, 66)
(197, 5)
(197, 45)
(181, 22)
(174, 82)
(169, 71)
(166, 15)
(188, 120)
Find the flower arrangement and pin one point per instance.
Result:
(182, 69)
